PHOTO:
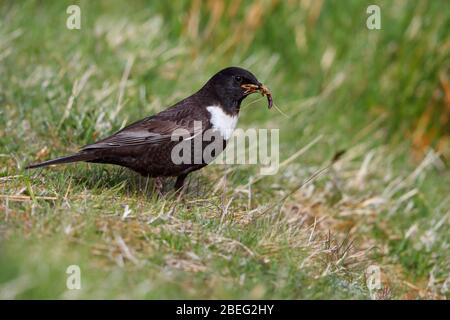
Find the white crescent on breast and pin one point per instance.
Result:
(222, 122)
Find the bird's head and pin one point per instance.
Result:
(233, 84)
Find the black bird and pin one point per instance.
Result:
(146, 145)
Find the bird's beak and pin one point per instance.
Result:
(251, 88)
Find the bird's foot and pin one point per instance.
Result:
(159, 186)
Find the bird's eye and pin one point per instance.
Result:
(238, 79)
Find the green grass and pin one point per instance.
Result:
(378, 94)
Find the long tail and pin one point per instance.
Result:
(67, 159)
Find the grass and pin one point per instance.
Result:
(381, 95)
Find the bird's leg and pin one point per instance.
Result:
(159, 186)
(179, 186)
(180, 182)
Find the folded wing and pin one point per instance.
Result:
(148, 131)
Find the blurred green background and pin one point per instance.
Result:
(300, 48)
(384, 92)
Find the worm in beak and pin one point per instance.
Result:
(251, 88)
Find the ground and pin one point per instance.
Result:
(316, 229)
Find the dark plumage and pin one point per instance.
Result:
(145, 146)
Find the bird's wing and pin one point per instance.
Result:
(153, 130)
(180, 120)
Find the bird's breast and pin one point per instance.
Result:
(222, 121)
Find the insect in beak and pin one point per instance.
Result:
(251, 88)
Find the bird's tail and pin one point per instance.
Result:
(67, 159)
